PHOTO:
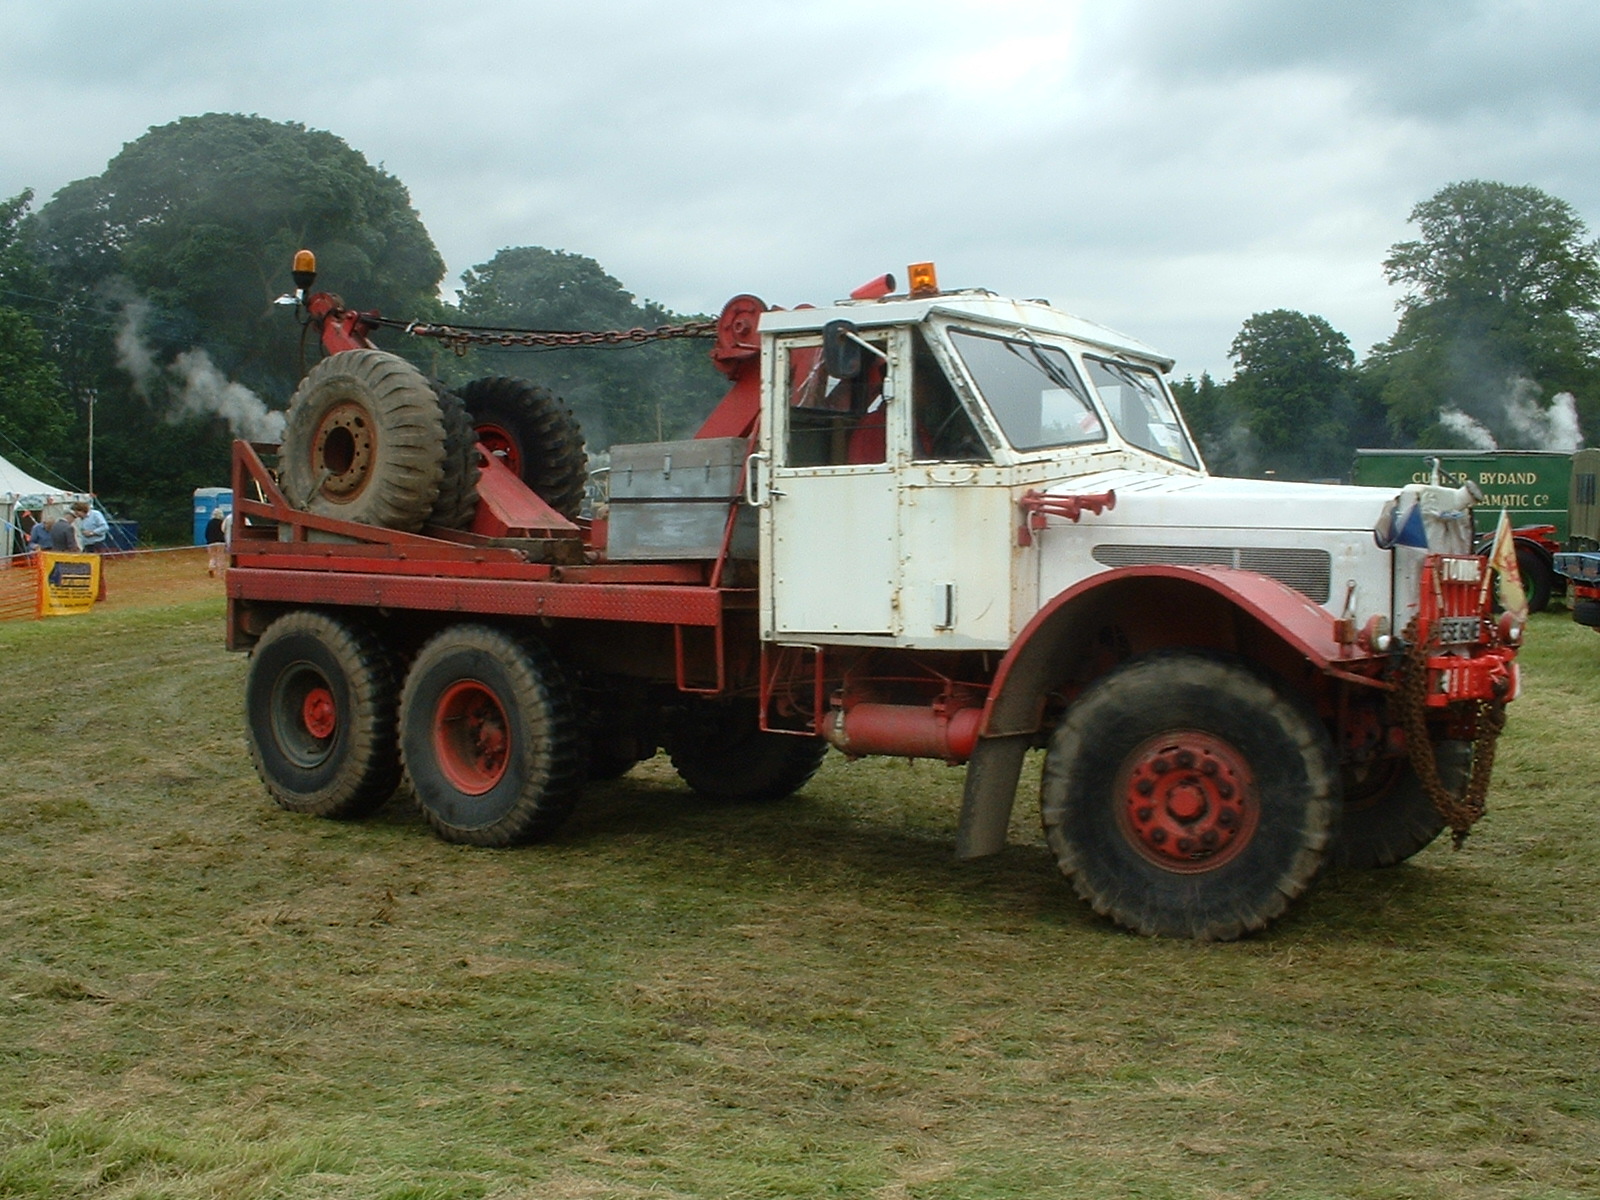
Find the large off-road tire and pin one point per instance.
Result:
(535, 435)
(364, 441)
(1387, 815)
(320, 716)
(490, 737)
(1185, 795)
(458, 484)
(719, 750)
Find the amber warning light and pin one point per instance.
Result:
(924, 279)
(305, 269)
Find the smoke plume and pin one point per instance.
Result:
(1518, 419)
(1468, 430)
(193, 383)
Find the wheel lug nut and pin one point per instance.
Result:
(1208, 839)
(1145, 787)
(1144, 813)
(1209, 767)
(1225, 790)
(1185, 759)
(1185, 845)
(1161, 766)
(1227, 818)
(1158, 836)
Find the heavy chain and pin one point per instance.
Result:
(1459, 812)
(460, 337)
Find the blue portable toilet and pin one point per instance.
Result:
(206, 502)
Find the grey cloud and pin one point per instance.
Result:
(1166, 167)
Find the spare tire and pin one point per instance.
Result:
(534, 434)
(364, 441)
(458, 487)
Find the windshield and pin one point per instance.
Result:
(1140, 408)
(1032, 389)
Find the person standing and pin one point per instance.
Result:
(216, 543)
(39, 535)
(94, 534)
(63, 535)
(94, 531)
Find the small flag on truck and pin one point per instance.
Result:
(1508, 582)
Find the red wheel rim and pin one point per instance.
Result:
(498, 441)
(319, 713)
(342, 450)
(470, 737)
(1187, 801)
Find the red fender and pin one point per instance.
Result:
(1294, 618)
(1219, 607)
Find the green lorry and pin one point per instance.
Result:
(1532, 486)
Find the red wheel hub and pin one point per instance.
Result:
(499, 442)
(470, 737)
(1186, 801)
(319, 713)
(342, 450)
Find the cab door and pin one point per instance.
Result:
(830, 545)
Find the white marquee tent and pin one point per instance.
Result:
(21, 492)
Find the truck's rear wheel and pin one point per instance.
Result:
(364, 441)
(490, 737)
(320, 716)
(1185, 796)
(719, 750)
(1387, 815)
(534, 434)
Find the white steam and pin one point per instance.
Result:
(208, 392)
(1468, 430)
(198, 388)
(1520, 420)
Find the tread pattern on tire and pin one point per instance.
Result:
(458, 485)
(548, 747)
(363, 766)
(403, 477)
(547, 435)
(1297, 786)
(1388, 828)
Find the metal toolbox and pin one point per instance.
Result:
(670, 500)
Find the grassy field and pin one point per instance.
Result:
(203, 996)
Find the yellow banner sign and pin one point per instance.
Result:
(68, 583)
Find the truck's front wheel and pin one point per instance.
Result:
(490, 737)
(1186, 796)
(320, 716)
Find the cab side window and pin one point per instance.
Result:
(834, 422)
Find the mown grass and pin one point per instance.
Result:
(203, 996)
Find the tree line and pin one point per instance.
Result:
(144, 296)
(1497, 345)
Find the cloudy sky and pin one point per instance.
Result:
(1167, 167)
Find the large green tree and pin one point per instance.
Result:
(1295, 406)
(34, 419)
(634, 392)
(181, 244)
(1502, 299)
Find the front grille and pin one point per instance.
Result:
(1308, 572)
